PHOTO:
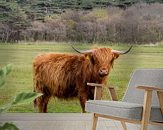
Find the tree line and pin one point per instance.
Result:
(81, 21)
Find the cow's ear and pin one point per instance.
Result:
(115, 55)
(90, 58)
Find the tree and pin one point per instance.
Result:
(12, 16)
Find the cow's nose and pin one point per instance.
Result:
(103, 72)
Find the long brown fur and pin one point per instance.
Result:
(66, 75)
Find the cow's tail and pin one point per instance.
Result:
(34, 85)
(37, 87)
(34, 90)
(34, 101)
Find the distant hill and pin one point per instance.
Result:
(38, 9)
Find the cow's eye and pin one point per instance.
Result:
(112, 62)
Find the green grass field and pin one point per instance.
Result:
(20, 79)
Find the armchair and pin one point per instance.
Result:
(138, 107)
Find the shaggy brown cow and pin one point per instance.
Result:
(66, 75)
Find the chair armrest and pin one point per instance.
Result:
(98, 90)
(95, 84)
(149, 88)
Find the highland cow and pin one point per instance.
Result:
(66, 76)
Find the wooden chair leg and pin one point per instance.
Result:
(160, 98)
(146, 110)
(124, 125)
(94, 122)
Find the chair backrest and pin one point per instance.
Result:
(147, 77)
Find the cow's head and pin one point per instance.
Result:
(102, 59)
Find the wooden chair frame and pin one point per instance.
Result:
(146, 106)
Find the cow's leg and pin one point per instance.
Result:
(45, 103)
(43, 100)
(82, 103)
(42, 103)
(39, 101)
(38, 88)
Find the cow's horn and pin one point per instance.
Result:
(81, 52)
(121, 52)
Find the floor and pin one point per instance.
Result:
(57, 121)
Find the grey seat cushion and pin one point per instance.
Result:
(125, 110)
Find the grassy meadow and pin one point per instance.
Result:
(20, 79)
